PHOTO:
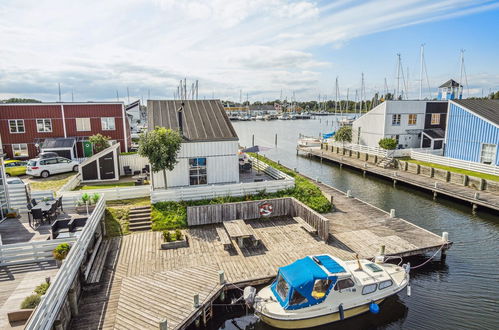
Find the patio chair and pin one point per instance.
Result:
(59, 204)
(52, 213)
(37, 215)
(128, 170)
(247, 167)
(29, 206)
(33, 202)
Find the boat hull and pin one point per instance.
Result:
(314, 321)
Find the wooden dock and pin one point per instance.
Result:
(486, 200)
(143, 285)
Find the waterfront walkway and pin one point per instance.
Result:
(488, 200)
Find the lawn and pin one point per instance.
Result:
(53, 182)
(173, 215)
(105, 186)
(454, 169)
(116, 217)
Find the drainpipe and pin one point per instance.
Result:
(124, 125)
(63, 121)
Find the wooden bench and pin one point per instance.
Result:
(255, 238)
(98, 263)
(307, 227)
(224, 238)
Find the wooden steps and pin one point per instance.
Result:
(139, 218)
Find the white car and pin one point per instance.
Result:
(49, 166)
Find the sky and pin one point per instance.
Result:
(249, 49)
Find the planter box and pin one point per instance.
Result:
(176, 244)
(83, 209)
(19, 317)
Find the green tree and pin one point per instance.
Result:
(344, 134)
(99, 141)
(161, 146)
(387, 143)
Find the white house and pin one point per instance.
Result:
(209, 152)
(401, 120)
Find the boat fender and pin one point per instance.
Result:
(342, 313)
(374, 308)
(249, 294)
(408, 290)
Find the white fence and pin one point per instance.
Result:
(69, 198)
(136, 162)
(44, 315)
(383, 152)
(466, 165)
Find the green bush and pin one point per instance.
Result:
(168, 215)
(167, 236)
(178, 235)
(61, 251)
(30, 302)
(116, 221)
(42, 288)
(387, 143)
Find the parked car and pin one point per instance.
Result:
(47, 154)
(49, 166)
(15, 167)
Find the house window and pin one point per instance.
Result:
(107, 124)
(396, 119)
(83, 124)
(488, 155)
(16, 126)
(412, 119)
(44, 125)
(435, 119)
(20, 150)
(197, 171)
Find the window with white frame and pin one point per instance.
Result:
(83, 124)
(44, 125)
(435, 119)
(413, 118)
(488, 155)
(20, 150)
(108, 124)
(16, 126)
(197, 171)
(396, 119)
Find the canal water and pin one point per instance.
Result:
(462, 293)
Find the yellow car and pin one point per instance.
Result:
(15, 167)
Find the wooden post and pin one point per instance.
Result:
(163, 325)
(332, 203)
(418, 169)
(392, 213)
(275, 139)
(349, 193)
(476, 195)
(382, 250)
(432, 172)
(253, 140)
(447, 176)
(196, 301)
(483, 184)
(465, 180)
(221, 277)
(73, 302)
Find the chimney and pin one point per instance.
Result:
(181, 119)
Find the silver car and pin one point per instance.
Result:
(49, 166)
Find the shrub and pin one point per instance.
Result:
(167, 236)
(85, 198)
(387, 143)
(61, 251)
(95, 198)
(30, 302)
(178, 235)
(42, 288)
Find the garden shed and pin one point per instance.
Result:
(103, 166)
(64, 147)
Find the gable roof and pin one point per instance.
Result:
(450, 83)
(488, 109)
(203, 120)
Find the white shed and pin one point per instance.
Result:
(208, 154)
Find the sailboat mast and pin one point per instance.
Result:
(421, 73)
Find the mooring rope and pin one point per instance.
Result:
(433, 256)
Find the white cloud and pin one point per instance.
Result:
(260, 46)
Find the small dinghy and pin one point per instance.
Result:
(321, 289)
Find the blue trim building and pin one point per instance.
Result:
(473, 131)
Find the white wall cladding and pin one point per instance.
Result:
(222, 169)
(208, 149)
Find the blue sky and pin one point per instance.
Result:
(95, 48)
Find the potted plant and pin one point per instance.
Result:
(85, 204)
(60, 253)
(95, 198)
(174, 240)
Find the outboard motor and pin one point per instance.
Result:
(249, 295)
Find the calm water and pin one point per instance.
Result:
(462, 293)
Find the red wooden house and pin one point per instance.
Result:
(29, 128)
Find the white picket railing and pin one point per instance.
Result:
(453, 162)
(44, 315)
(383, 152)
(29, 252)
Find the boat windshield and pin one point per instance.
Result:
(282, 287)
(320, 288)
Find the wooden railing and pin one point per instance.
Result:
(446, 161)
(44, 315)
(313, 218)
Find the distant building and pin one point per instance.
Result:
(209, 151)
(473, 131)
(450, 90)
(29, 128)
(409, 122)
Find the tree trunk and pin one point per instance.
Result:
(164, 177)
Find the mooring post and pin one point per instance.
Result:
(418, 169)
(432, 172)
(447, 176)
(253, 140)
(279, 162)
(349, 193)
(483, 184)
(163, 325)
(275, 139)
(392, 213)
(332, 203)
(477, 195)
(443, 252)
(221, 277)
(436, 184)
(196, 300)
(382, 250)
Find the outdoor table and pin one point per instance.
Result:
(44, 206)
(239, 230)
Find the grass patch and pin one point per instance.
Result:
(116, 221)
(173, 215)
(454, 169)
(54, 182)
(133, 202)
(105, 186)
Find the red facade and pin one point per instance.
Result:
(63, 118)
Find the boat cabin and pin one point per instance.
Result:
(307, 281)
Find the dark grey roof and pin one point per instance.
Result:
(435, 133)
(488, 109)
(58, 143)
(450, 83)
(203, 120)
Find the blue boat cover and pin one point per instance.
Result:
(331, 265)
(328, 135)
(301, 276)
